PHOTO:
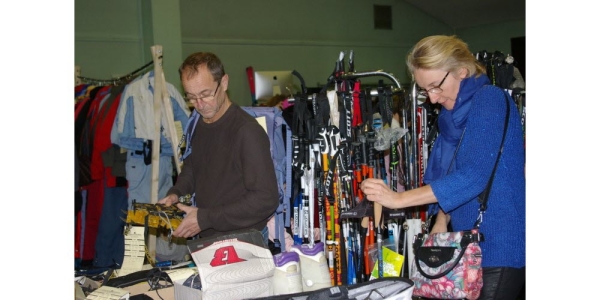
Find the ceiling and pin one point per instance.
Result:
(469, 13)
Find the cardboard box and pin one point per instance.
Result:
(253, 289)
(84, 282)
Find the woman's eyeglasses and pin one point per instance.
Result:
(433, 90)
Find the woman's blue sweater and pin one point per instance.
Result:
(480, 110)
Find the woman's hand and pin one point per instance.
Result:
(441, 222)
(377, 191)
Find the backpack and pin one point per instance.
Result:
(281, 152)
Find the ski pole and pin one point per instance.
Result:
(394, 160)
(329, 241)
(296, 229)
(336, 233)
(314, 156)
(306, 195)
(330, 213)
(334, 169)
(377, 209)
(324, 148)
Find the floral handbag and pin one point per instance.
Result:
(447, 265)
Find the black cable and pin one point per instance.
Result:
(157, 294)
(155, 277)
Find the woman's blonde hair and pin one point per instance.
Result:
(443, 52)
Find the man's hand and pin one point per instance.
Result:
(189, 225)
(169, 200)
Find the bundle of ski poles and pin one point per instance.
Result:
(341, 136)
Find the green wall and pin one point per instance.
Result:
(495, 37)
(108, 38)
(113, 37)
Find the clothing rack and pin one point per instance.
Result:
(114, 81)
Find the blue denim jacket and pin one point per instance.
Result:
(138, 95)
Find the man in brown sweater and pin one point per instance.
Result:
(230, 169)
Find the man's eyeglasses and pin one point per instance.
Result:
(433, 90)
(203, 98)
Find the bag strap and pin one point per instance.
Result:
(483, 197)
(441, 274)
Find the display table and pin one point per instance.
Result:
(144, 288)
(140, 283)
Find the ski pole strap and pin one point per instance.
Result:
(381, 102)
(302, 83)
(356, 112)
(322, 113)
(301, 114)
(346, 115)
(330, 174)
(368, 109)
(386, 106)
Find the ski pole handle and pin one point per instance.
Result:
(377, 210)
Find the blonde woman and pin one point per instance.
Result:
(447, 72)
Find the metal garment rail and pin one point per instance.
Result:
(311, 97)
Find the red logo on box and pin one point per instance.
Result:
(224, 256)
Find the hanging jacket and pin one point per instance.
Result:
(102, 127)
(134, 123)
